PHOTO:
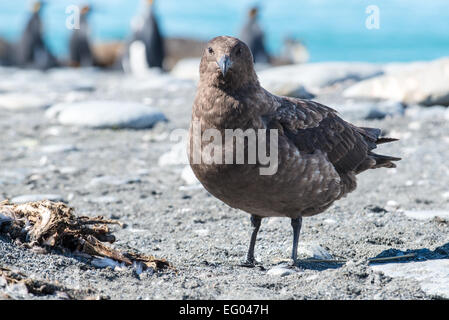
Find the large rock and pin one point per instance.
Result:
(106, 114)
(425, 83)
(432, 275)
(287, 80)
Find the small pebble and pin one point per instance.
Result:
(280, 271)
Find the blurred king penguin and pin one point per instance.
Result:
(32, 51)
(145, 49)
(80, 50)
(253, 35)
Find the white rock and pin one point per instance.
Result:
(176, 156)
(426, 214)
(392, 205)
(105, 262)
(315, 251)
(370, 110)
(273, 221)
(415, 125)
(201, 232)
(104, 200)
(106, 114)
(409, 183)
(155, 136)
(52, 131)
(187, 69)
(37, 197)
(22, 101)
(112, 181)
(445, 195)
(137, 230)
(26, 143)
(432, 275)
(330, 221)
(424, 83)
(58, 148)
(188, 176)
(143, 172)
(69, 170)
(280, 271)
(286, 79)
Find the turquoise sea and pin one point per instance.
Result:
(331, 29)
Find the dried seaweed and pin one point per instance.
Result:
(53, 225)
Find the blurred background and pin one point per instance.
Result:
(331, 29)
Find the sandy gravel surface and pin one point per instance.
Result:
(116, 173)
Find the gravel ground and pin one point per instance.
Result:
(206, 240)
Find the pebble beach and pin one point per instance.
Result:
(103, 143)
